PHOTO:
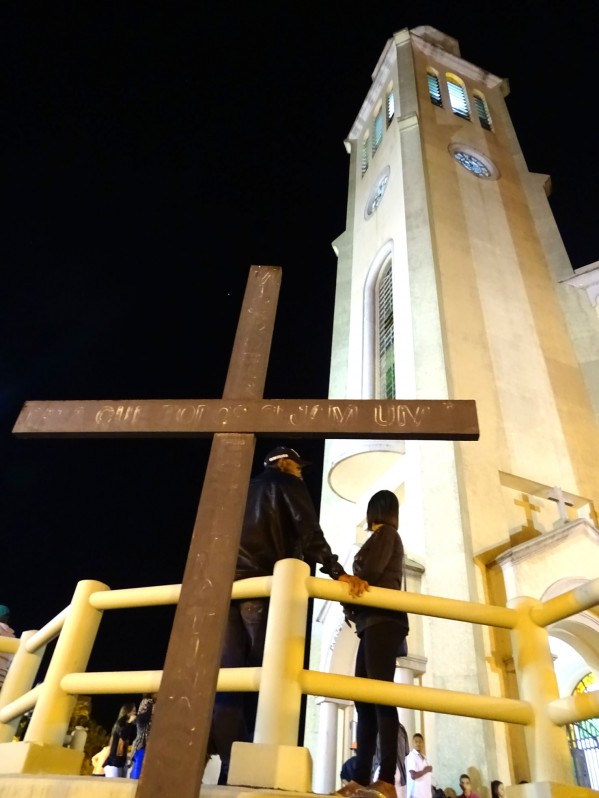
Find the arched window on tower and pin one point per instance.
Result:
(482, 110)
(390, 104)
(377, 129)
(457, 96)
(434, 89)
(385, 360)
(364, 155)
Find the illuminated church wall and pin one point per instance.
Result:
(483, 302)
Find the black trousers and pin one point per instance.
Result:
(234, 715)
(376, 657)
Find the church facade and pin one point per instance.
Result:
(453, 283)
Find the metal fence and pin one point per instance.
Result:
(282, 679)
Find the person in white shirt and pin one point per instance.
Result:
(418, 770)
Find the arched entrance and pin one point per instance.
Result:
(575, 648)
(583, 739)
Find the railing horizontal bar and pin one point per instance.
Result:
(47, 633)
(256, 587)
(574, 708)
(9, 645)
(567, 604)
(238, 680)
(230, 680)
(416, 603)
(161, 595)
(111, 682)
(135, 597)
(20, 705)
(428, 699)
(556, 609)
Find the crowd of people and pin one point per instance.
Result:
(123, 755)
(413, 776)
(280, 521)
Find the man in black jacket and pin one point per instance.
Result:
(280, 521)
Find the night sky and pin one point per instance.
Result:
(151, 153)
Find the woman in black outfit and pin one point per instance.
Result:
(122, 735)
(382, 636)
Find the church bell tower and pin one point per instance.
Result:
(453, 283)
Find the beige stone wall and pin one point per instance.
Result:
(506, 341)
(506, 344)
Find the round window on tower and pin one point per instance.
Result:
(376, 195)
(474, 161)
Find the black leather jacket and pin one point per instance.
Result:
(280, 521)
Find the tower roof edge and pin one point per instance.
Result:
(438, 38)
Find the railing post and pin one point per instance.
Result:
(547, 745)
(19, 680)
(325, 776)
(42, 750)
(279, 704)
(52, 713)
(275, 760)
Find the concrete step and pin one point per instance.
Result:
(39, 786)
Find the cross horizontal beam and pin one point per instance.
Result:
(333, 418)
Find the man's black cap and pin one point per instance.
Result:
(284, 453)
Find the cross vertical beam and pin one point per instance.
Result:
(175, 758)
(557, 495)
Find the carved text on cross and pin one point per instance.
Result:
(338, 418)
(176, 749)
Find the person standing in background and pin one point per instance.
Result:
(348, 769)
(466, 787)
(144, 724)
(418, 770)
(403, 749)
(122, 735)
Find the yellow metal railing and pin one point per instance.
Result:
(282, 679)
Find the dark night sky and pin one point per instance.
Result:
(151, 153)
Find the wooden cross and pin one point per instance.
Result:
(175, 757)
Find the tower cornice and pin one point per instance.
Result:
(432, 43)
(453, 60)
